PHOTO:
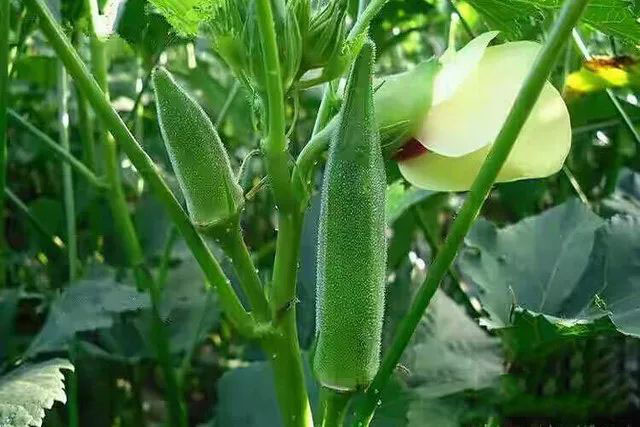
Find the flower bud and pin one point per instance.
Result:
(326, 35)
(236, 38)
(197, 155)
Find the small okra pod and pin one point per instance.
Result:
(200, 161)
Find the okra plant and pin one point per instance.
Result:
(385, 141)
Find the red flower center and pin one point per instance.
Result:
(413, 148)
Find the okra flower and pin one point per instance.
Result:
(472, 93)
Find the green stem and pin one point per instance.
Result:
(480, 189)
(334, 405)
(85, 120)
(35, 222)
(227, 104)
(286, 359)
(575, 184)
(465, 24)
(67, 178)
(72, 384)
(163, 269)
(65, 155)
(306, 162)
(135, 374)
(364, 19)
(133, 249)
(234, 246)
(325, 110)
(86, 132)
(275, 147)
(144, 165)
(5, 8)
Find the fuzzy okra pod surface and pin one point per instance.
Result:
(199, 159)
(351, 251)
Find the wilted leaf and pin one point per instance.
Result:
(26, 392)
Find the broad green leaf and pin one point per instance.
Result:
(451, 353)
(449, 357)
(146, 32)
(26, 392)
(188, 309)
(534, 264)
(614, 273)
(566, 264)
(616, 18)
(86, 305)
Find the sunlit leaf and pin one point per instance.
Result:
(602, 73)
(186, 15)
(613, 17)
(26, 392)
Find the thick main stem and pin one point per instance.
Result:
(286, 359)
(275, 146)
(334, 405)
(5, 7)
(480, 189)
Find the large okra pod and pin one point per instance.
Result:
(351, 252)
(197, 155)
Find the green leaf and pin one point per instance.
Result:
(451, 353)
(449, 358)
(613, 17)
(86, 305)
(399, 199)
(534, 264)
(26, 392)
(188, 308)
(566, 264)
(614, 273)
(186, 15)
